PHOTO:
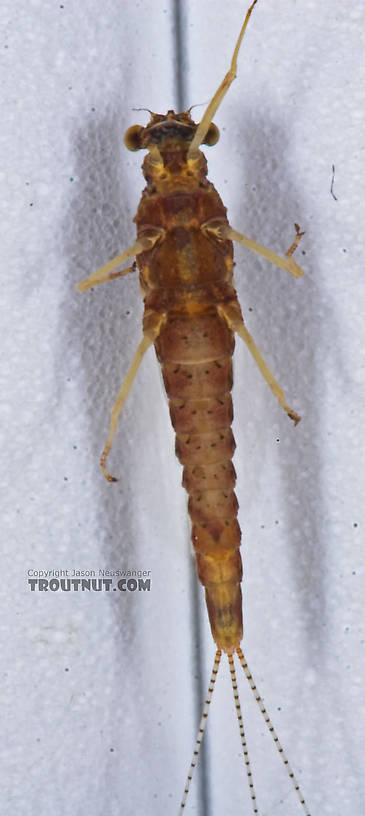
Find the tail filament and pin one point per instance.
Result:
(242, 732)
(202, 725)
(271, 728)
(266, 717)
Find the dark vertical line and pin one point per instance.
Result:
(180, 43)
(195, 592)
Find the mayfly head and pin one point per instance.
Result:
(169, 128)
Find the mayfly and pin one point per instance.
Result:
(184, 252)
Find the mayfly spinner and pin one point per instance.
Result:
(184, 253)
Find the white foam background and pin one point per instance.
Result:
(98, 689)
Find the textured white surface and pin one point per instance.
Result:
(98, 693)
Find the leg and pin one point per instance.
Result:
(220, 93)
(295, 243)
(103, 274)
(88, 283)
(118, 406)
(145, 343)
(225, 232)
(239, 327)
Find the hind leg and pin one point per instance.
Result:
(236, 324)
(147, 341)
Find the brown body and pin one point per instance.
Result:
(185, 278)
(184, 252)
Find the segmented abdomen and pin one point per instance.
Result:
(195, 352)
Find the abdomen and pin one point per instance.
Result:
(195, 352)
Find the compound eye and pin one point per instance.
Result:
(212, 135)
(132, 137)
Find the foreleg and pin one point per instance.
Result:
(103, 274)
(224, 232)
